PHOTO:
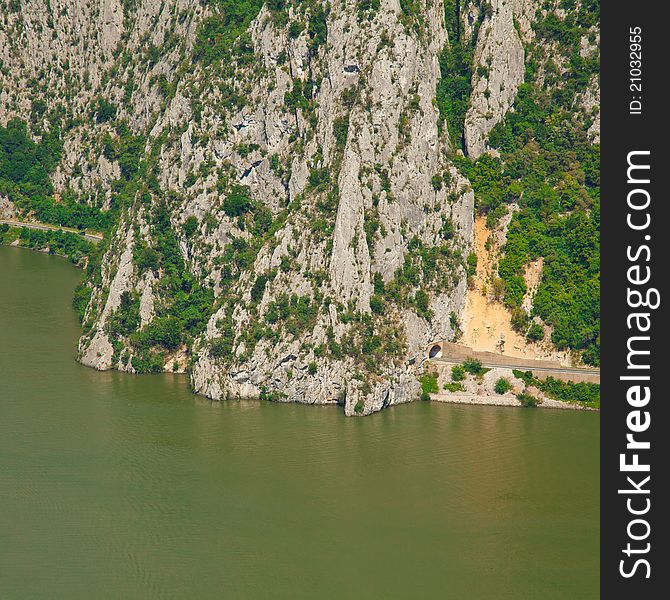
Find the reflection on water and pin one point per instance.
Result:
(117, 486)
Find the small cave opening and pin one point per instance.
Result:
(435, 351)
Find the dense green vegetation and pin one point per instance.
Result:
(584, 394)
(367, 8)
(25, 166)
(80, 300)
(457, 373)
(63, 243)
(425, 269)
(103, 110)
(296, 313)
(126, 148)
(372, 341)
(429, 385)
(455, 84)
(224, 35)
(226, 29)
(502, 386)
(67, 212)
(238, 202)
(184, 311)
(548, 166)
(474, 367)
(528, 400)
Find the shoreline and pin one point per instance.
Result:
(472, 399)
(88, 234)
(504, 400)
(17, 244)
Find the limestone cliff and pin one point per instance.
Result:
(289, 220)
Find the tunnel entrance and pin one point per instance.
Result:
(435, 351)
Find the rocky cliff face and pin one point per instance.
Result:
(499, 54)
(290, 223)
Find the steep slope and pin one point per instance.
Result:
(287, 209)
(538, 186)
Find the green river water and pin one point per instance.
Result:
(130, 487)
